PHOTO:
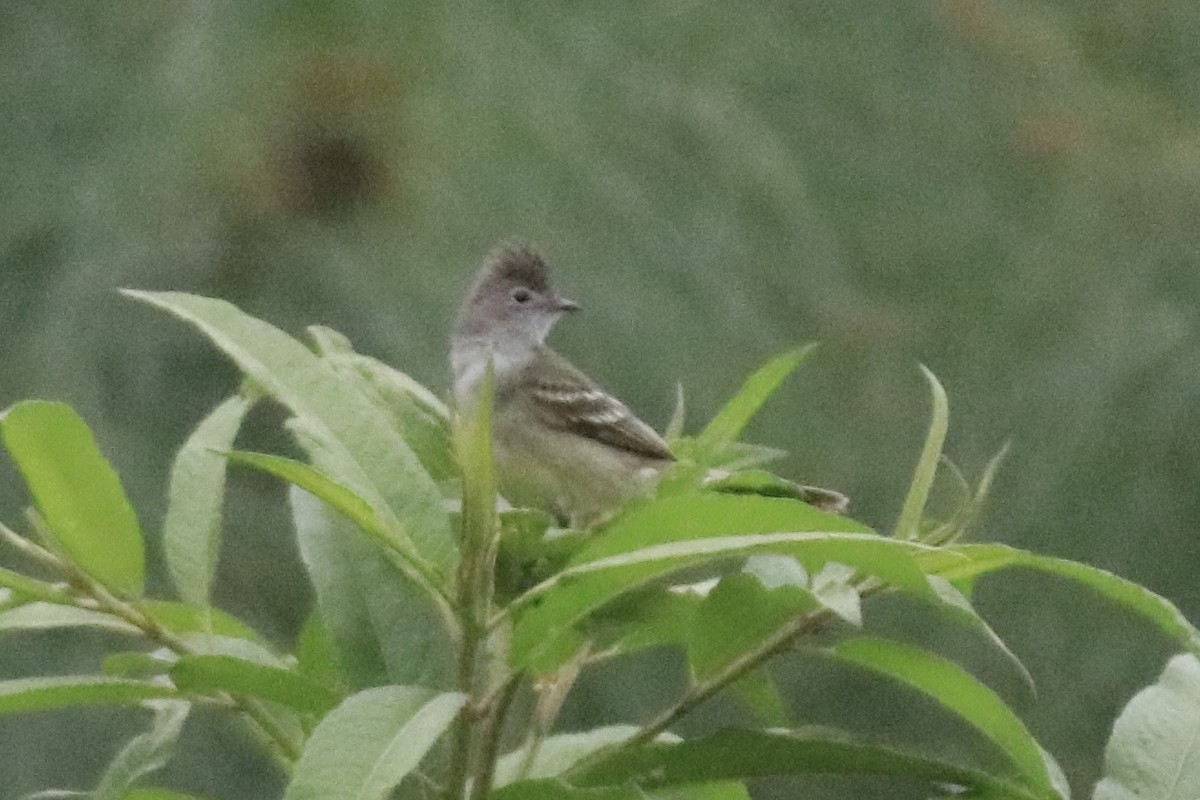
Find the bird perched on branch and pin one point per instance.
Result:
(561, 443)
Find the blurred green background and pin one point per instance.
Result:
(1005, 191)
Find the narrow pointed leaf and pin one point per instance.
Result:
(664, 536)
(656, 618)
(480, 531)
(418, 416)
(734, 754)
(559, 753)
(1154, 750)
(556, 605)
(955, 603)
(137, 665)
(365, 747)
(473, 446)
(77, 492)
(32, 589)
(385, 629)
(958, 692)
(674, 427)
(333, 494)
(144, 753)
(717, 790)
(182, 618)
(225, 673)
(701, 516)
(348, 436)
(962, 564)
(338, 349)
(155, 793)
(909, 524)
(729, 422)
(61, 691)
(316, 657)
(553, 789)
(736, 617)
(192, 526)
(45, 616)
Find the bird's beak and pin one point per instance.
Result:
(567, 305)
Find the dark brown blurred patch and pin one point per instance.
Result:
(340, 145)
(327, 174)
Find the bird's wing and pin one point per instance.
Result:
(566, 399)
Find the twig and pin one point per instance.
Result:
(780, 641)
(493, 737)
(107, 602)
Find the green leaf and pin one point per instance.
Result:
(473, 448)
(480, 531)
(182, 618)
(77, 492)
(729, 422)
(834, 587)
(28, 588)
(550, 789)
(734, 754)
(61, 691)
(1154, 750)
(138, 665)
(192, 525)
(45, 616)
(654, 617)
(962, 564)
(698, 516)
(155, 793)
(336, 496)
(735, 617)
(663, 536)
(225, 673)
(384, 628)
(909, 524)
(761, 482)
(559, 753)
(315, 653)
(335, 347)
(349, 437)
(956, 604)
(958, 692)
(366, 746)
(724, 790)
(674, 427)
(244, 649)
(144, 753)
(419, 417)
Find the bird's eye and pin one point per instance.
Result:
(521, 295)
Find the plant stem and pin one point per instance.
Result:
(281, 742)
(778, 642)
(475, 588)
(493, 736)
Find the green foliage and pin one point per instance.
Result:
(192, 529)
(1005, 191)
(87, 517)
(1155, 746)
(449, 631)
(364, 747)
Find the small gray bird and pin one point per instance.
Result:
(561, 442)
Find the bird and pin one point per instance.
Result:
(561, 443)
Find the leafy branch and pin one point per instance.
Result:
(448, 634)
